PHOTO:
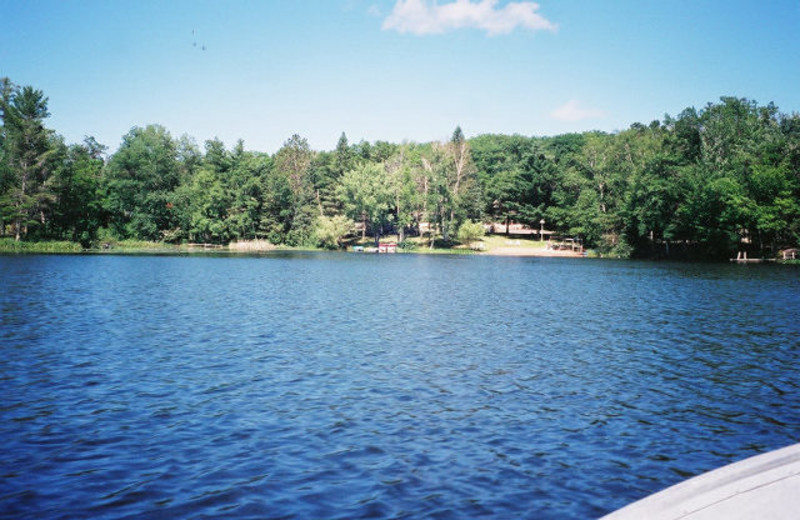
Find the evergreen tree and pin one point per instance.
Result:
(292, 162)
(26, 150)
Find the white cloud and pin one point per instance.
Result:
(572, 111)
(428, 17)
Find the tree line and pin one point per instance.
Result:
(704, 184)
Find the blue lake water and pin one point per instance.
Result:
(382, 386)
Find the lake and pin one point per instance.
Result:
(313, 385)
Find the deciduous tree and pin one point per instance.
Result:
(142, 176)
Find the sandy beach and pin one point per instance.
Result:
(530, 251)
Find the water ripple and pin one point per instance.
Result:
(363, 386)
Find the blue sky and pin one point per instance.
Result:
(392, 70)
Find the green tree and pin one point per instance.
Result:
(275, 219)
(464, 197)
(437, 197)
(327, 170)
(344, 157)
(210, 195)
(323, 178)
(77, 180)
(209, 207)
(684, 136)
(26, 148)
(470, 232)
(747, 180)
(292, 162)
(650, 205)
(331, 231)
(413, 186)
(246, 183)
(498, 160)
(141, 180)
(602, 184)
(404, 198)
(365, 197)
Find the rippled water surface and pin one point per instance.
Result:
(374, 386)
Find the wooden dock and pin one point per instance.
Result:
(749, 260)
(741, 258)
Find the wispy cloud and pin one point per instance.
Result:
(572, 111)
(429, 17)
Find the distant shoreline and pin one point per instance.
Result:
(531, 251)
(493, 246)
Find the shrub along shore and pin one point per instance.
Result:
(9, 245)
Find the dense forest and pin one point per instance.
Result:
(703, 184)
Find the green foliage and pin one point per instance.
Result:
(331, 231)
(407, 245)
(77, 211)
(296, 209)
(705, 183)
(141, 178)
(470, 232)
(616, 247)
(10, 245)
(520, 182)
(365, 197)
(27, 148)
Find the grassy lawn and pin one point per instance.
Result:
(487, 243)
(138, 244)
(495, 241)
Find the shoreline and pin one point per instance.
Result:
(150, 248)
(522, 251)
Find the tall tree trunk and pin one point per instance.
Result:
(19, 227)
